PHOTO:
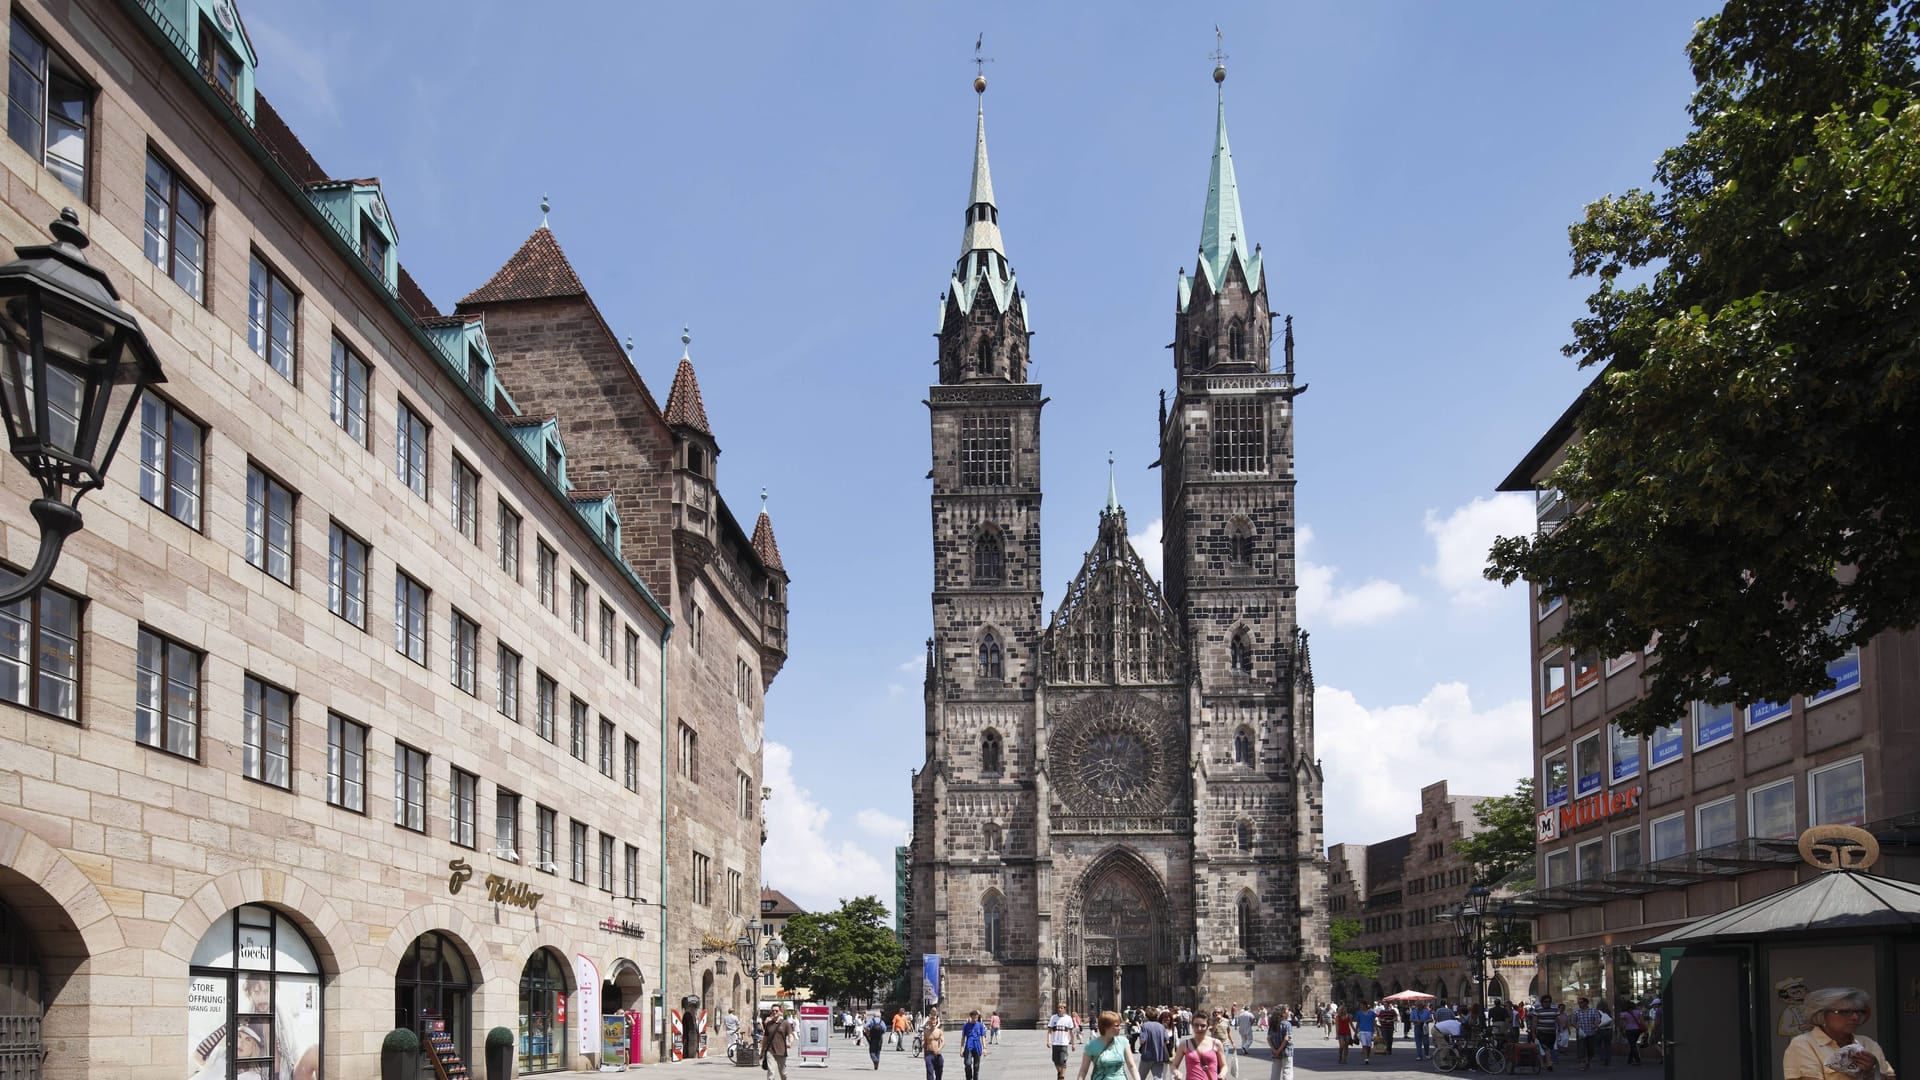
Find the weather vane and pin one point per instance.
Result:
(1219, 56)
(980, 64)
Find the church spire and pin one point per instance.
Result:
(983, 217)
(1223, 229)
(983, 314)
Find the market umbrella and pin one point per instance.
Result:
(1409, 995)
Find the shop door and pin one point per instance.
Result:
(1703, 1020)
(433, 992)
(20, 1003)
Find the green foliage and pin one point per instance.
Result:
(500, 1036)
(1351, 963)
(1744, 472)
(400, 1041)
(844, 955)
(1504, 843)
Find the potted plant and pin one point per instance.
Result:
(500, 1054)
(400, 1055)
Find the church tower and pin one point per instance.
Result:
(974, 806)
(1226, 458)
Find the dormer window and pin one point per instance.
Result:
(218, 64)
(477, 371)
(611, 530)
(373, 248)
(554, 463)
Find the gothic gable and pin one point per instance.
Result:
(1114, 627)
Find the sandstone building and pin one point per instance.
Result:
(1120, 804)
(360, 700)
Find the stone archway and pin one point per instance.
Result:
(1118, 947)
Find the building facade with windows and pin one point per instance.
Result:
(1639, 835)
(1120, 805)
(350, 707)
(776, 908)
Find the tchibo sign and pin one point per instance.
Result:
(1551, 824)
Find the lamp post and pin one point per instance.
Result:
(73, 363)
(1474, 922)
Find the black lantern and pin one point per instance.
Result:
(73, 364)
(748, 944)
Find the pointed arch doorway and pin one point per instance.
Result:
(1118, 940)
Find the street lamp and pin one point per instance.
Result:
(72, 366)
(1473, 923)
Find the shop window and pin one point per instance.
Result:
(1838, 794)
(1714, 824)
(1553, 682)
(1770, 811)
(1623, 752)
(254, 999)
(1667, 837)
(433, 991)
(1553, 779)
(1588, 767)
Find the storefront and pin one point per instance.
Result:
(543, 1014)
(433, 992)
(254, 999)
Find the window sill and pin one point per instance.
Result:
(360, 810)
(174, 754)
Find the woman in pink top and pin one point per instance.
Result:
(1201, 1059)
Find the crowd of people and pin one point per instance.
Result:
(1583, 1032)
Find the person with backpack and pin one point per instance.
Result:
(876, 1033)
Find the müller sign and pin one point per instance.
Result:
(1549, 824)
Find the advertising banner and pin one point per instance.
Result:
(586, 975)
(930, 977)
(816, 1033)
(615, 1043)
(207, 1026)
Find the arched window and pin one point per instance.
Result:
(1197, 352)
(992, 838)
(990, 755)
(1240, 543)
(1244, 925)
(254, 996)
(1237, 341)
(543, 992)
(1243, 835)
(989, 558)
(993, 918)
(990, 657)
(433, 990)
(1243, 746)
(1240, 652)
(983, 357)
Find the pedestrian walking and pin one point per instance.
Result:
(1420, 1016)
(973, 1041)
(900, 1030)
(1201, 1058)
(776, 1036)
(1243, 1027)
(1106, 1055)
(1154, 1050)
(1280, 1043)
(933, 1039)
(1545, 1022)
(1364, 1026)
(993, 1028)
(1631, 1028)
(1586, 1027)
(876, 1033)
(1389, 1018)
(1343, 1030)
(1059, 1039)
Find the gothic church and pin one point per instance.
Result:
(1120, 804)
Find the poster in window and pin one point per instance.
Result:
(1586, 766)
(297, 1017)
(1762, 712)
(1845, 673)
(1625, 751)
(1663, 745)
(1711, 723)
(207, 1027)
(256, 948)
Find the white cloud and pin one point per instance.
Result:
(1321, 600)
(1378, 759)
(805, 857)
(882, 825)
(1147, 543)
(1461, 540)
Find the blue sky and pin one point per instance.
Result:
(789, 181)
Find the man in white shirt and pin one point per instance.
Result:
(1243, 1027)
(1059, 1038)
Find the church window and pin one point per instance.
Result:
(989, 558)
(1240, 543)
(986, 451)
(1243, 835)
(1197, 352)
(1243, 747)
(1244, 923)
(1239, 438)
(993, 918)
(991, 838)
(1237, 341)
(990, 657)
(983, 357)
(1240, 652)
(990, 752)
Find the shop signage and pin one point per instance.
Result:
(499, 889)
(1550, 824)
(622, 927)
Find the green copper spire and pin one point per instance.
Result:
(983, 254)
(1113, 487)
(1223, 231)
(983, 217)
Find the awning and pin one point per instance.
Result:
(1838, 900)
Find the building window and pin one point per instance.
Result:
(506, 664)
(409, 788)
(1554, 786)
(1714, 824)
(40, 650)
(256, 998)
(1623, 750)
(577, 605)
(986, 451)
(410, 617)
(1665, 745)
(166, 711)
(1245, 928)
(697, 629)
(545, 828)
(577, 728)
(49, 112)
(1626, 849)
(463, 791)
(1712, 724)
(1243, 753)
(993, 920)
(989, 558)
(546, 703)
(1770, 811)
(176, 229)
(1838, 794)
(347, 391)
(606, 747)
(990, 668)
(346, 763)
(218, 65)
(507, 528)
(548, 573)
(743, 682)
(1553, 682)
(606, 863)
(1559, 868)
(743, 800)
(268, 733)
(632, 642)
(1588, 766)
(466, 499)
(170, 459)
(1589, 860)
(463, 647)
(269, 525)
(506, 825)
(991, 752)
(689, 756)
(1243, 835)
(991, 838)
(412, 436)
(702, 880)
(271, 304)
(373, 249)
(477, 372)
(734, 890)
(630, 763)
(1240, 543)
(607, 626)
(1667, 837)
(1240, 652)
(1586, 671)
(1239, 437)
(577, 852)
(347, 575)
(633, 872)
(555, 465)
(1237, 341)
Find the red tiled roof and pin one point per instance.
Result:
(283, 143)
(537, 271)
(782, 903)
(684, 407)
(765, 546)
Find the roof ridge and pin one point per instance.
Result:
(539, 270)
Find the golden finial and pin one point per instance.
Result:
(980, 65)
(1219, 56)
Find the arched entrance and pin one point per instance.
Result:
(253, 998)
(22, 1004)
(624, 988)
(543, 1013)
(433, 991)
(1116, 940)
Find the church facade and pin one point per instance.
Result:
(1120, 803)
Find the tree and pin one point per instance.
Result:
(1351, 963)
(1505, 843)
(843, 955)
(1744, 468)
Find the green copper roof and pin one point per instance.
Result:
(983, 254)
(1223, 232)
(982, 176)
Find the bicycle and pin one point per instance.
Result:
(919, 1042)
(736, 1044)
(1460, 1051)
